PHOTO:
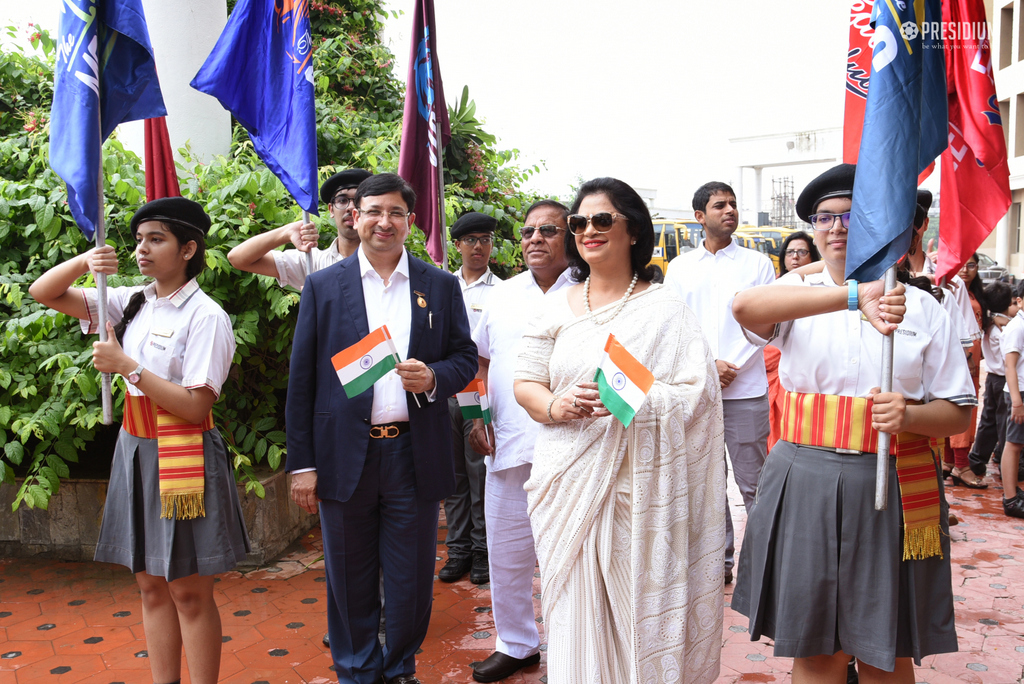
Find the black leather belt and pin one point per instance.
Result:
(388, 431)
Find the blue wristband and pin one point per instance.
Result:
(851, 297)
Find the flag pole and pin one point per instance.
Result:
(309, 254)
(884, 438)
(100, 238)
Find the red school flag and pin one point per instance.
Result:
(161, 174)
(975, 177)
(858, 72)
(425, 129)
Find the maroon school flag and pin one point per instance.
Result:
(975, 177)
(425, 129)
(161, 174)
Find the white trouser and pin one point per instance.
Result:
(512, 561)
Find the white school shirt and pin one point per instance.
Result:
(291, 263)
(185, 337)
(952, 309)
(841, 353)
(477, 294)
(709, 282)
(992, 351)
(963, 300)
(498, 337)
(1013, 341)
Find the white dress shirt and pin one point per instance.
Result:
(477, 294)
(991, 349)
(841, 353)
(709, 282)
(498, 337)
(291, 263)
(1013, 341)
(952, 309)
(389, 305)
(185, 337)
(963, 300)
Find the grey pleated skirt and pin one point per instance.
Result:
(821, 570)
(134, 535)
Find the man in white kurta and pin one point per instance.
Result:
(498, 336)
(708, 278)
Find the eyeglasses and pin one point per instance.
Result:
(375, 214)
(970, 266)
(548, 231)
(472, 241)
(342, 201)
(823, 222)
(602, 222)
(797, 252)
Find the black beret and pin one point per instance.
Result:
(343, 180)
(474, 222)
(178, 210)
(924, 203)
(836, 182)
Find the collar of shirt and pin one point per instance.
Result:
(366, 268)
(729, 251)
(486, 279)
(563, 279)
(176, 298)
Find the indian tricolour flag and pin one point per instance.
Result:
(366, 361)
(622, 381)
(473, 402)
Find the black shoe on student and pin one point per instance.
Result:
(1014, 507)
(455, 568)
(851, 672)
(479, 574)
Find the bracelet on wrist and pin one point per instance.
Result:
(551, 403)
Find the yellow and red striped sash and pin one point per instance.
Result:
(838, 422)
(180, 451)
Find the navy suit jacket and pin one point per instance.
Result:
(330, 432)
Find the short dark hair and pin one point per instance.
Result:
(798, 235)
(704, 193)
(627, 202)
(384, 183)
(553, 204)
(999, 296)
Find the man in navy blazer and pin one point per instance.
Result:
(377, 464)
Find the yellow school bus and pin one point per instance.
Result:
(672, 238)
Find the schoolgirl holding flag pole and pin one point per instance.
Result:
(172, 513)
(821, 571)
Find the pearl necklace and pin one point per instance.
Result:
(622, 302)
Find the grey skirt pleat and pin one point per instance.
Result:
(821, 570)
(134, 535)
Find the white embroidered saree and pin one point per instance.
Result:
(629, 523)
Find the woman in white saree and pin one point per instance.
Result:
(629, 523)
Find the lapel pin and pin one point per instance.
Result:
(420, 301)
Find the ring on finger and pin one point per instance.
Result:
(574, 402)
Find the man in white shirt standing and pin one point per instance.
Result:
(708, 278)
(509, 536)
(259, 254)
(473, 235)
(377, 464)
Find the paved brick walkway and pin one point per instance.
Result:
(82, 622)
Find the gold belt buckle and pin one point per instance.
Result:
(383, 432)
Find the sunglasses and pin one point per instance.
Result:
(823, 222)
(548, 231)
(602, 222)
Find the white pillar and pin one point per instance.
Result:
(737, 186)
(757, 193)
(183, 32)
(1003, 240)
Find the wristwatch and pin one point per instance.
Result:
(135, 375)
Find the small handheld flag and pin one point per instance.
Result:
(622, 381)
(365, 362)
(473, 401)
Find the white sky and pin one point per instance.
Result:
(648, 91)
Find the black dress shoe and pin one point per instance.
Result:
(499, 665)
(728, 577)
(327, 640)
(455, 568)
(479, 574)
(1014, 507)
(404, 679)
